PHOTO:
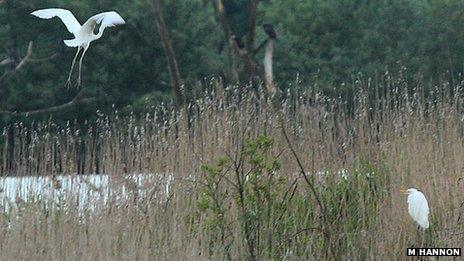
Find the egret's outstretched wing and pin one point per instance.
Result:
(106, 19)
(65, 15)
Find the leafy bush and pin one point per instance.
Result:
(250, 189)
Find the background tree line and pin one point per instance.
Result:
(329, 41)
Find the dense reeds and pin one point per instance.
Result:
(238, 190)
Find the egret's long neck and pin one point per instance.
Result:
(100, 33)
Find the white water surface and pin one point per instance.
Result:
(83, 191)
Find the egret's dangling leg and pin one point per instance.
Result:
(80, 64)
(68, 82)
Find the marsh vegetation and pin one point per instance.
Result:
(297, 176)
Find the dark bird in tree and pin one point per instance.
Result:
(238, 41)
(269, 29)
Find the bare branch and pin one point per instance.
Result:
(77, 100)
(6, 62)
(45, 59)
(169, 52)
(60, 107)
(26, 59)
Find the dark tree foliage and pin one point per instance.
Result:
(340, 38)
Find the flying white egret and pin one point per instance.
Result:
(83, 34)
(418, 207)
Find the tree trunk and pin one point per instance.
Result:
(169, 52)
(252, 15)
(268, 74)
(251, 65)
(221, 16)
(246, 54)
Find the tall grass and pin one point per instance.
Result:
(238, 190)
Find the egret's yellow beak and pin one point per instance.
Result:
(404, 191)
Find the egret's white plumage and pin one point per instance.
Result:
(83, 33)
(66, 16)
(418, 207)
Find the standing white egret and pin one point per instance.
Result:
(418, 207)
(83, 34)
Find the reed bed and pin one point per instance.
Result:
(238, 191)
